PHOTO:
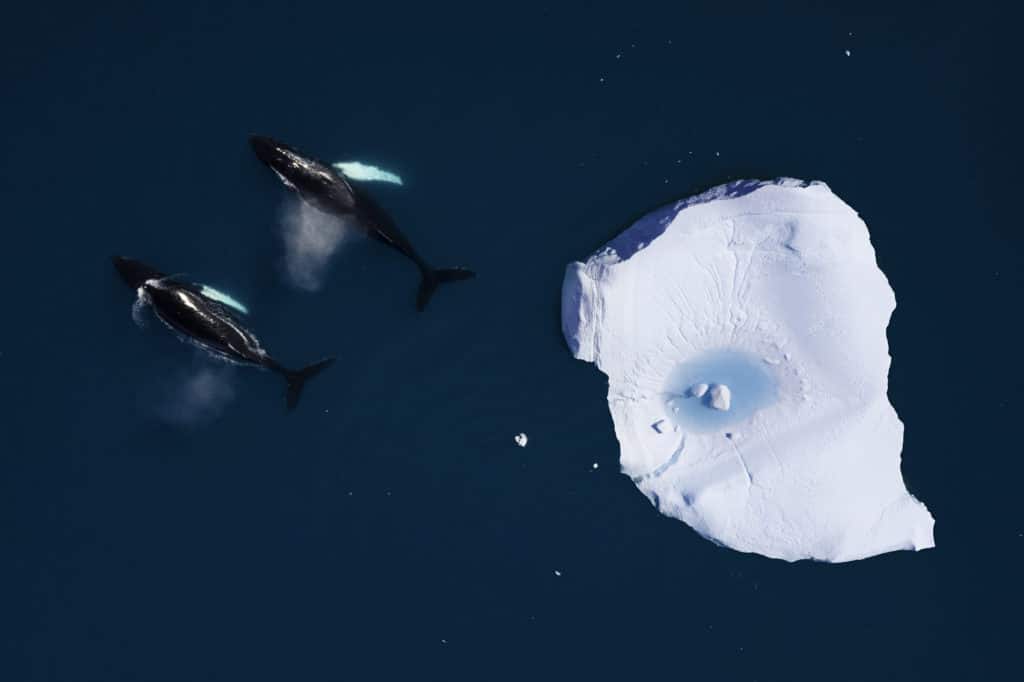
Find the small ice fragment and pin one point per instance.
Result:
(558, 573)
(847, 53)
(596, 465)
(521, 440)
(721, 398)
(698, 390)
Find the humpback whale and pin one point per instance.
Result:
(205, 321)
(327, 190)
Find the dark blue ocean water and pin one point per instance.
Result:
(390, 528)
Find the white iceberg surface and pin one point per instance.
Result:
(757, 310)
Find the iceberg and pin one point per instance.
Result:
(743, 335)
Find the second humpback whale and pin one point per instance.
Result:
(327, 190)
(204, 320)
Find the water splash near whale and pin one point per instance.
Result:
(311, 238)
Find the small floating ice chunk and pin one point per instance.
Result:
(721, 397)
(521, 440)
(698, 390)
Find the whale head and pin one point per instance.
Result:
(268, 150)
(135, 273)
(317, 183)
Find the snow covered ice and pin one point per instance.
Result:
(755, 309)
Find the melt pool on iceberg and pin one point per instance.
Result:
(743, 335)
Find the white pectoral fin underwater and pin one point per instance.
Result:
(203, 316)
(221, 297)
(356, 170)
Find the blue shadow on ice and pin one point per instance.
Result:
(750, 382)
(652, 224)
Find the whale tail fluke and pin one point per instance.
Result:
(432, 278)
(297, 379)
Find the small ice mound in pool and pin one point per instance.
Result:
(742, 332)
(721, 397)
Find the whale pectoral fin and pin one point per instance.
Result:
(354, 170)
(139, 313)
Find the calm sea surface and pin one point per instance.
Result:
(390, 528)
